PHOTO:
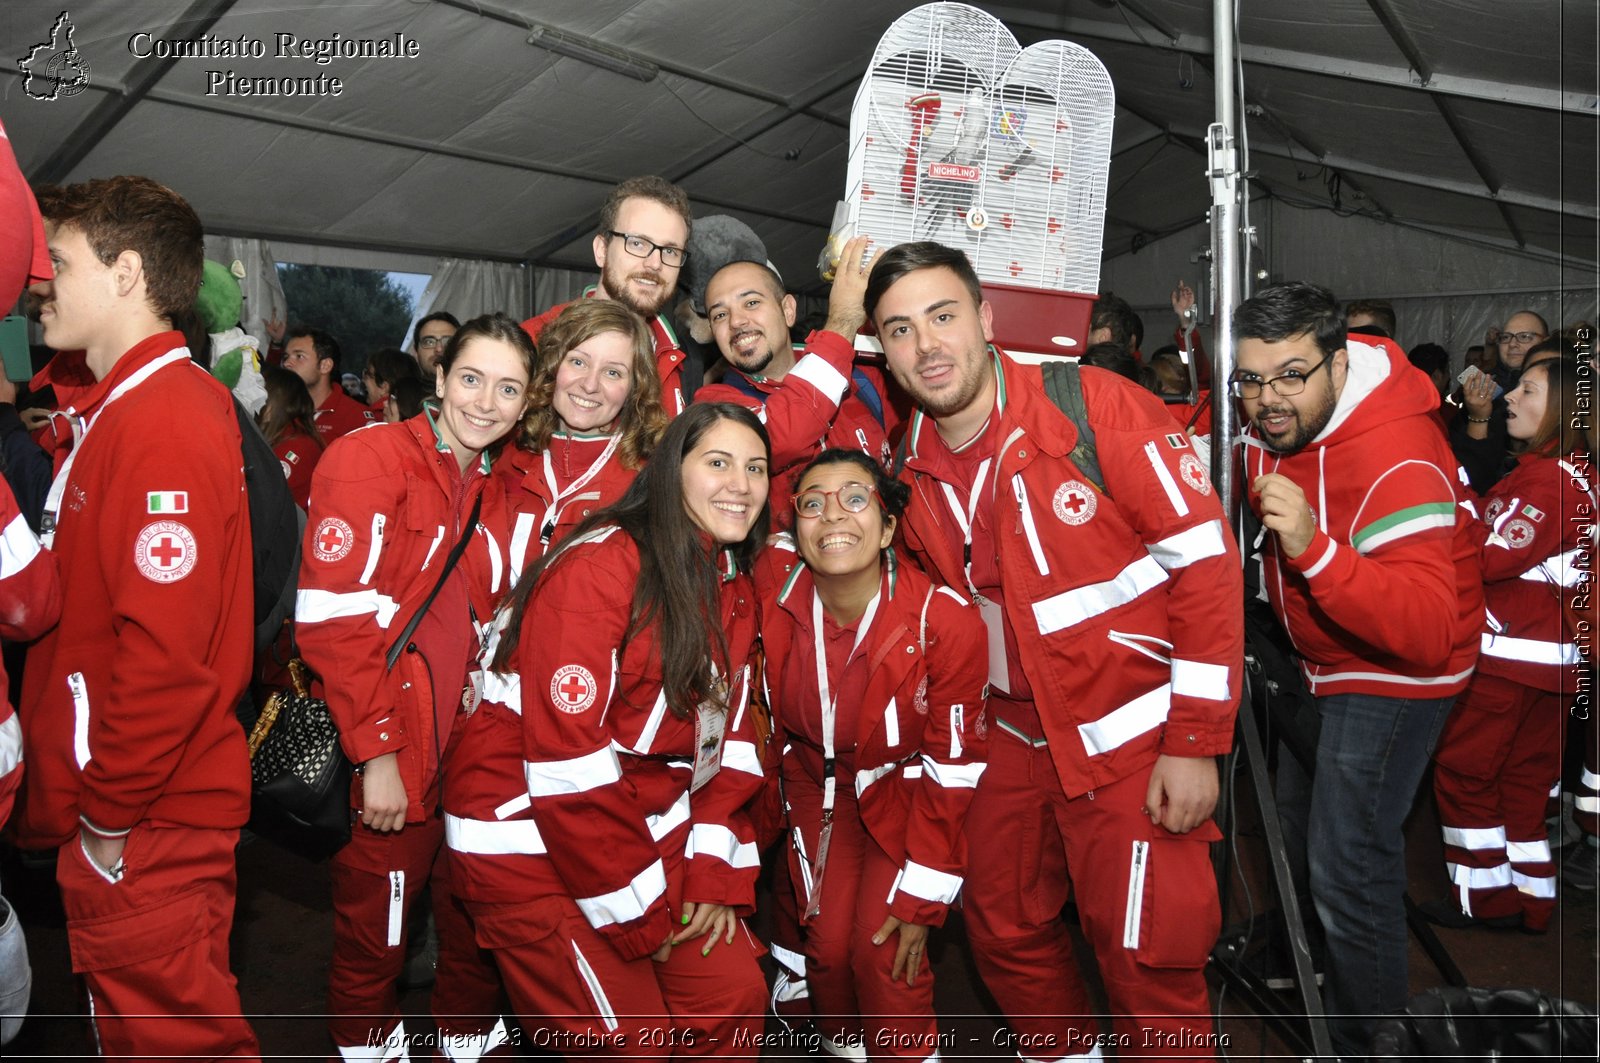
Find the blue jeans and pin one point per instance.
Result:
(1345, 827)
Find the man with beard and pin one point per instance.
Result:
(1113, 594)
(810, 396)
(1372, 568)
(640, 247)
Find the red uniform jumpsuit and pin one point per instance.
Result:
(388, 506)
(30, 604)
(669, 355)
(1107, 648)
(1500, 750)
(909, 738)
(129, 719)
(814, 406)
(298, 453)
(339, 415)
(550, 493)
(578, 834)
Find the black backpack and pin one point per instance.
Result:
(276, 525)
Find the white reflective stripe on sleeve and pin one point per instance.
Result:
(1133, 915)
(1530, 651)
(397, 907)
(18, 546)
(1126, 722)
(496, 564)
(1190, 546)
(1591, 780)
(1322, 562)
(658, 712)
(602, 1003)
(913, 771)
(552, 778)
(1479, 878)
(374, 549)
(664, 824)
(956, 776)
(10, 745)
(742, 756)
(929, 884)
(513, 806)
(503, 688)
(713, 839)
(80, 719)
(492, 838)
(1528, 852)
(1164, 475)
(628, 903)
(815, 370)
(1475, 837)
(1196, 679)
(867, 777)
(1586, 803)
(1543, 887)
(1562, 569)
(521, 535)
(314, 606)
(1073, 607)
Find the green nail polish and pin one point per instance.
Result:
(686, 920)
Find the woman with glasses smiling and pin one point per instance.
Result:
(878, 681)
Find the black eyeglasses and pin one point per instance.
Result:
(1285, 384)
(639, 247)
(430, 342)
(1520, 337)
(852, 498)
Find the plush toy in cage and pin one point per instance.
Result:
(960, 136)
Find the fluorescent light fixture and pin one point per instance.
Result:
(595, 53)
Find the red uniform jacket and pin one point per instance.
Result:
(129, 705)
(30, 604)
(541, 505)
(600, 802)
(921, 733)
(669, 355)
(1127, 605)
(1388, 598)
(387, 505)
(298, 453)
(1537, 548)
(811, 408)
(340, 415)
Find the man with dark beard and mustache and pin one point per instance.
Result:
(809, 396)
(1372, 567)
(640, 247)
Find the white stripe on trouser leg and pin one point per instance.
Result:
(1479, 878)
(1528, 852)
(392, 1049)
(602, 1004)
(1475, 837)
(397, 907)
(1543, 887)
(471, 1047)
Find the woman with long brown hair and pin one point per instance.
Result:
(287, 419)
(1500, 751)
(595, 809)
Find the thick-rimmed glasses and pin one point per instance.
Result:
(852, 498)
(639, 247)
(428, 343)
(1285, 384)
(1520, 337)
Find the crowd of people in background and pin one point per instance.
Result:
(608, 624)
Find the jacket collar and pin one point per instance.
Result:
(1020, 405)
(71, 369)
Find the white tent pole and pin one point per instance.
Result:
(1223, 172)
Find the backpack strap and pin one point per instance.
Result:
(861, 384)
(1065, 389)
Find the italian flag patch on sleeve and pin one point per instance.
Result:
(167, 502)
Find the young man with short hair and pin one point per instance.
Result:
(313, 355)
(136, 763)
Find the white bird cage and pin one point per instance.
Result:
(960, 136)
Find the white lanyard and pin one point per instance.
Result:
(80, 432)
(547, 526)
(964, 518)
(828, 698)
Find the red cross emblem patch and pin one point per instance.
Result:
(572, 688)
(1074, 502)
(1519, 533)
(164, 551)
(333, 539)
(1194, 474)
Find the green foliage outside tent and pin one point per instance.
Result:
(363, 309)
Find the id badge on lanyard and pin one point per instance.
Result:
(711, 729)
(829, 702)
(990, 611)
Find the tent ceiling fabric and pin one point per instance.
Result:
(486, 146)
